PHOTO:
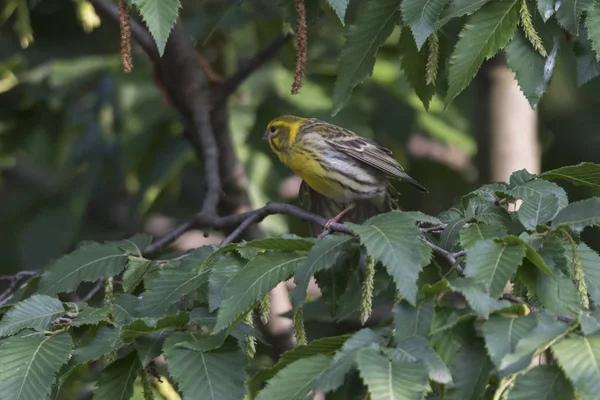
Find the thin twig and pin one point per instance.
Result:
(451, 257)
(99, 285)
(514, 299)
(433, 229)
(14, 282)
(18, 275)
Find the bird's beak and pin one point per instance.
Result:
(266, 135)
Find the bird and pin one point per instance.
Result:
(338, 165)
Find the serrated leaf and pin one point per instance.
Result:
(592, 23)
(169, 287)
(333, 377)
(544, 382)
(493, 263)
(486, 32)
(285, 243)
(410, 320)
(224, 269)
(134, 245)
(134, 272)
(590, 263)
(117, 379)
(542, 200)
(125, 309)
(473, 233)
(590, 323)
(388, 379)
(479, 300)
(587, 68)
(150, 346)
(421, 16)
(570, 11)
(501, 336)
(470, 370)
(160, 17)
(327, 346)
(533, 72)
(86, 264)
(205, 376)
(339, 6)
(328, 252)
(418, 348)
(394, 240)
(582, 174)
(141, 327)
(36, 313)
(579, 214)
(261, 275)
(293, 382)
(579, 358)
(414, 64)
(30, 363)
(547, 330)
(91, 316)
(372, 27)
(546, 8)
(105, 341)
(418, 216)
(459, 8)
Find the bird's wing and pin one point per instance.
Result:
(368, 152)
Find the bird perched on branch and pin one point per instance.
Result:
(341, 171)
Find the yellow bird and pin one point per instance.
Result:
(337, 163)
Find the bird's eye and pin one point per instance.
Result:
(272, 129)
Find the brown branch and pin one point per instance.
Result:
(518, 300)
(125, 27)
(301, 44)
(14, 282)
(97, 287)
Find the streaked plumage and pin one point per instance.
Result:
(336, 162)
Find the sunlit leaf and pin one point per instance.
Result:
(579, 358)
(160, 17)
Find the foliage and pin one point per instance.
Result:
(453, 332)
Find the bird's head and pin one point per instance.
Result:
(281, 132)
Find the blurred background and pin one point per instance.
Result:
(88, 152)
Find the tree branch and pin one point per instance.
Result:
(519, 300)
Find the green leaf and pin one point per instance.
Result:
(394, 240)
(223, 270)
(579, 214)
(579, 358)
(169, 287)
(542, 200)
(125, 309)
(501, 336)
(294, 381)
(592, 23)
(582, 174)
(141, 327)
(150, 346)
(590, 263)
(473, 233)
(134, 272)
(289, 243)
(418, 216)
(470, 370)
(479, 300)
(134, 245)
(328, 252)
(388, 379)
(333, 377)
(414, 63)
(160, 17)
(546, 8)
(218, 375)
(339, 6)
(590, 323)
(486, 32)
(105, 341)
(91, 316)
(493, 263)
(570, 11)
(459, 8)
(261, 275)
(587, 68)
(36, 313)
(117, 379)
(30, 364)
(372, 27)
(86, 264)
(532, 70)
(544, 382)
(326, 345)
(546, 331)
(417, 348)
(421, 16)
(451, 234)
(410, 320)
